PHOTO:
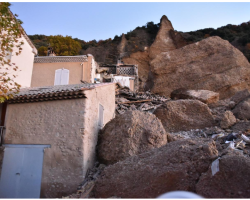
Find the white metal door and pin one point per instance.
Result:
(22, 171)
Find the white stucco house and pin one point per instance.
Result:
(24, 61)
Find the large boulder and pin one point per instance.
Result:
(231, 181)
(183, 115)
(129, 134)
(164, 41)
(242, 110)
(204, 96)
(211, 64)
(175, 166)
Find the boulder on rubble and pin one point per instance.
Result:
(230, 181)
(211, 64)
(240, 96)
(183, 115)
(241, 126)
(242, 110)
(204, 96)
(164, 41)
(175, 166)
(129, 134)
(228, 119)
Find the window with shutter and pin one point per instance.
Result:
(61, 77)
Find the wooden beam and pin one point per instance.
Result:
(146, 100)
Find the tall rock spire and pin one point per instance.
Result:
(163, 41)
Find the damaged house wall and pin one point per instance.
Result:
(70, 127)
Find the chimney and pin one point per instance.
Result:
(51, 52)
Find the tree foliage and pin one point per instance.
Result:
(64, 46)
(10, 44)
(42, 51)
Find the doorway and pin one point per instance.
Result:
(22, 171)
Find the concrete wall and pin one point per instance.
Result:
(104, 95)
(58, 123)
(44, 73)
(24, 61)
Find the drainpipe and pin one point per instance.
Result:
(82, 71)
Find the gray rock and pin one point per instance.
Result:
(242, 110)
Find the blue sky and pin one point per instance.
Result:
(99, 20)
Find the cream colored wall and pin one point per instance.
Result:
(104, 95)
(58, 123)
(44, 73)
(93, 67)
(24, 61)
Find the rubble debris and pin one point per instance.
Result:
(215, 166)
(130, 134)
(144, 101)
(85, 188)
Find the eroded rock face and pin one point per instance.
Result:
(242, 110)
(204, 96)
(231, 181)
(227, 120)
(129, 134)
(211, 64)
(163, 41)
(183, 115)
(175, 166)
(142, 60)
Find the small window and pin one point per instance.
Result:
(100, 119)
(61, 77)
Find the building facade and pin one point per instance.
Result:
(63, 70)
(63, 121)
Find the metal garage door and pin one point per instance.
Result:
(22, 171)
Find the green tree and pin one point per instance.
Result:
(42, 51)
(10, 43)
(64, 46)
